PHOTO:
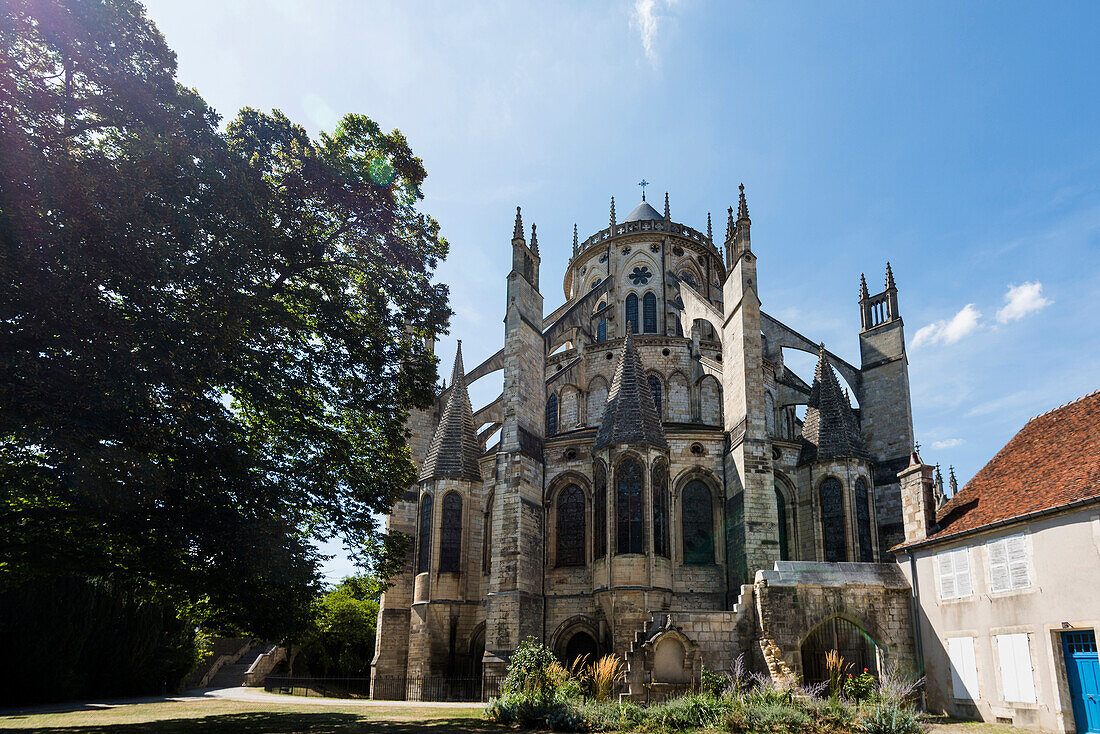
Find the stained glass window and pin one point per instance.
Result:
(687, 277)
(599, 512)
(424, 537)
(832, 521)
(552, 414)
(450, 536)
(640, 276)
(601, 331)
(781, 519)
(629, 513)
(487, 544)
(596, 283)
(649, 313)
(863, 523)
(571, 527)
(660, 510)
(697, 523)
(632, 311)
(655, 388)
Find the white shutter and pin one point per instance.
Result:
(1016, 550)
(998, 565)
(963, 587)
(947, 575)
(964, 671)
(1017, 677)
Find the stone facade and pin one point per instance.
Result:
(652, 458)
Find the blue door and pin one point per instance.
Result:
(1083, 672)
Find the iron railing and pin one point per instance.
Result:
(389, 688)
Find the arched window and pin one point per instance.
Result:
(552, 414)
(632, 311)
(781, 518)
(450, 536)
(629, 513)
(601, 331)
(660, 510)
(655, 388)
(697, 521)
(649, 313)
(570, 527)
(599, 511)
(487, 540)
(424, 535)
(832, 521)
(863, 523)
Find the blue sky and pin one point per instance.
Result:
(960, 141)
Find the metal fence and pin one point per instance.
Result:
(389, 688)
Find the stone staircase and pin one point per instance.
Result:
(233, 674)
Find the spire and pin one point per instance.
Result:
(630, 416)
(454, 450)
(534, 240)
(575, 247)
(863, 295)
(517, 233)
(890, 278)
(612, 211)
(730, 226)
(667, 217)
(830, 429)
(953, 483)
(710, 233)
(742, 206)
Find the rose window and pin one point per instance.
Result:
(640, 276)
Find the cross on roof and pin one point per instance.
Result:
(643, 183)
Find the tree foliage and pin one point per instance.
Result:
(209, 340)
(342, 640)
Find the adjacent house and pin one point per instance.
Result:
(1006, 577)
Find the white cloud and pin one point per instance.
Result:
(1021, 300)
(646, 19)
(948, 443)
(949, 331)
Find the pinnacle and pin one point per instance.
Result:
(863, 287)
(534, 240)
(830, 429)
(631, 415)
(710, 233)
(612, 211)
(517, 233)
(889, 277)
(666, 206)
(742, 205)
(454, 449)
(574, 238)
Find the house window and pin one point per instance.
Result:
(552, 414)
(954, 569)
(629, 515)
(1017, 677)
(599, 511)
(655, 388)
(1008, 569)
(649, 313)
(660, 510)
(570, 528)
(632, 311)
(424, 535)
(832, 521)
(964, 668)
(601, 331)
(450, 536)
(863, 523)
(697, 522)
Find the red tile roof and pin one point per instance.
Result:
(1052, 462)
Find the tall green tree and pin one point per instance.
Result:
(209, 340)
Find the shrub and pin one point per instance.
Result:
(713, 683)
(603, 675)
(892, 719)
(608, 716)
(534, 671)
(761, 714)
(689, 712)
(897, 686)
(832, 714)
(859, 687)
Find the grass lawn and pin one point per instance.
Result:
(254, 717)
(286, 716)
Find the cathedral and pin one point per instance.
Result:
(645, 486)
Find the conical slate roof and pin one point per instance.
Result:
(643, 212)
(830, 430)
(454, 449)
(630, 415)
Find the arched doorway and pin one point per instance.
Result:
(846, 637)
(579, 645)
(477, 652)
